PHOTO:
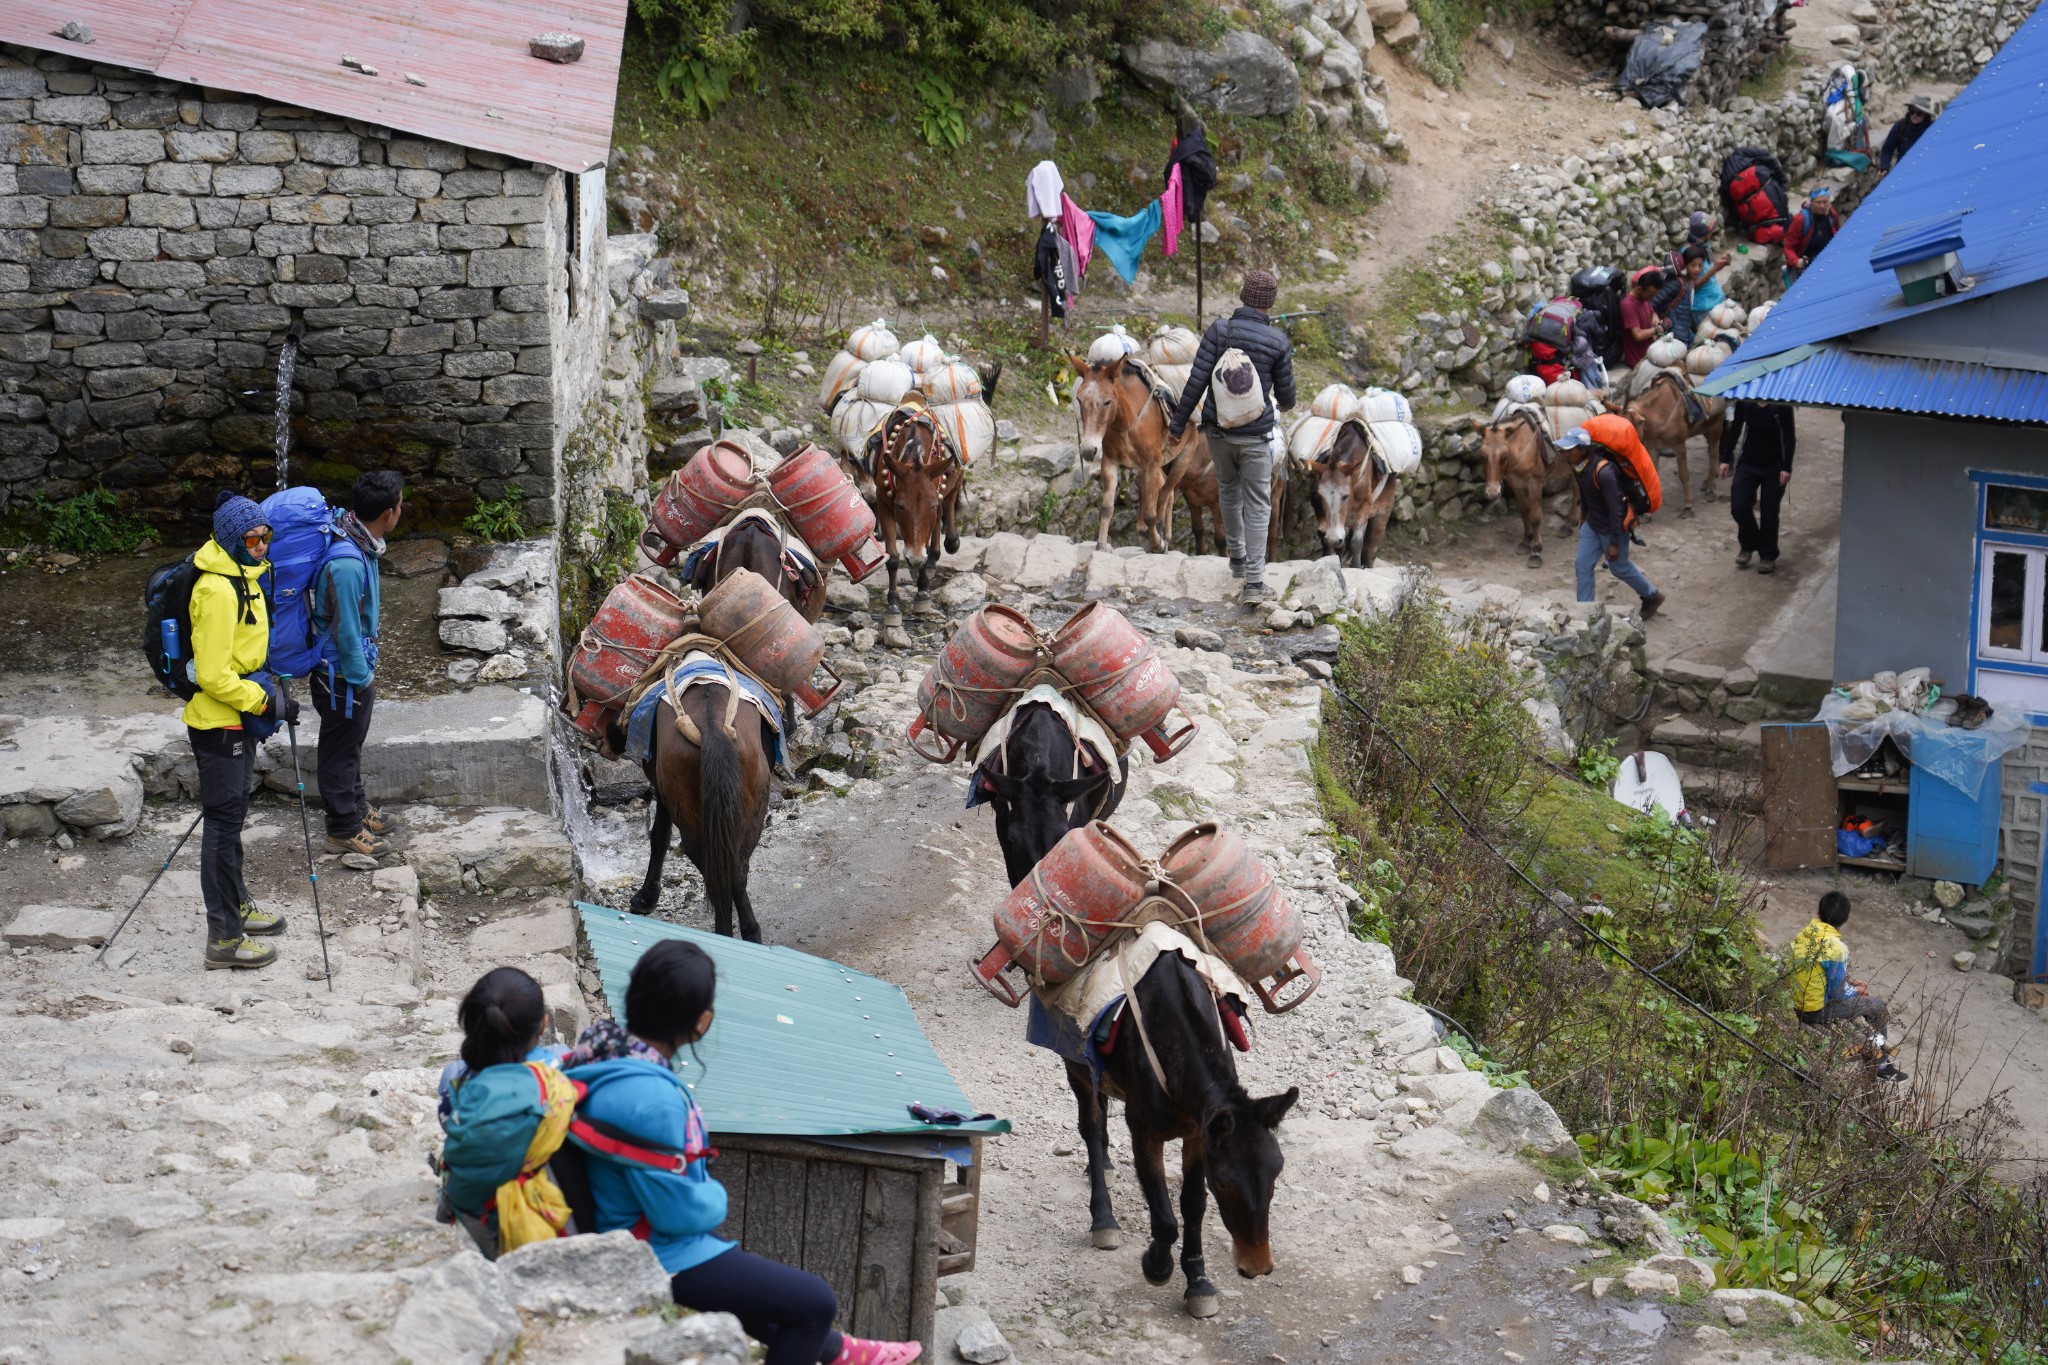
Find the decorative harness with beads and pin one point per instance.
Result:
(892, 433)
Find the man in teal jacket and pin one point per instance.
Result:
(344, 608)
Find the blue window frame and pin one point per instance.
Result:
(2009, 592)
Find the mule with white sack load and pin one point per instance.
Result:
(875, 372)
(1356, 447)
(1518, 452)
(1121, 410)
(1668, 414)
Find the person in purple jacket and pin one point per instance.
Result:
(632, 1088)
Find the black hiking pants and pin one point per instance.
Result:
(227, 765)
(1867, 1008)
(1753, 498)
(344, 725)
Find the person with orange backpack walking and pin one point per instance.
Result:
(1615, 479)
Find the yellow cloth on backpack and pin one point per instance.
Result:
(531, 1208)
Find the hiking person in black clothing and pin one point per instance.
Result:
(1765, 436)
(1907, 131)
(1244, 454)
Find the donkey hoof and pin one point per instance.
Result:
(1106, 1239)
(1535, 561)
(1157, 1263)
(1686, 514)
(1201, 1305)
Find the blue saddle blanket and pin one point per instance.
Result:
(696, 670)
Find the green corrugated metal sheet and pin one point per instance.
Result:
(802, 1046)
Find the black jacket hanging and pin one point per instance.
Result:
(1197, 170)
(1049, 269)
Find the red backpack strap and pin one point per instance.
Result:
(608, 1141)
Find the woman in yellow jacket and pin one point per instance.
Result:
(231, 641)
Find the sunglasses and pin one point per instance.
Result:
(256, 540)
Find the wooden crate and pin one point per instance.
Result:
(879, 1227)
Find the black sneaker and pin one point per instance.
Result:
(1768, 566)
(1887, 1072)
(1652, 604)
(1742, 560)
(1257, 595)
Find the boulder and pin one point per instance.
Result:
(1049, 460)
(1320, 588)
(609, 1272)
(1634, 1224)
(1519, 1118)
(505, 848)
(1241, 74)
(59, 926)
(553, 930)
(412, 558)
(666, 305)
(701, 1339)
(457, 1314)
(1385, 12)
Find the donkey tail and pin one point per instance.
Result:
(722, 787)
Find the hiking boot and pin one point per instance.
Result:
(260, 922)
(1768, 566)
(377, 822)
(362, 841)
(1257, 595)
(1237, 566)
(1651, 606)
(1742, 560)
(238, 952)
(1887, 1072)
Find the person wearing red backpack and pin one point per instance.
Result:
(1607, 516)
(344, 609)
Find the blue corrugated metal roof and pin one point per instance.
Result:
(1988, 153)
(1922, 239)
(1835, 376)
(802, 1047)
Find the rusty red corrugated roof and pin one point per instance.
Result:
(483, 89)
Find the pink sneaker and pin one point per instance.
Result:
(854, 1351)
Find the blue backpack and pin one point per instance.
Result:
(303, 541)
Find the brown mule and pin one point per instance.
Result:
(1123, 423)
(1659, 416)
(1517, 454)
(918, 478)
(1198, 486)
(1355, 494)
(752, 543)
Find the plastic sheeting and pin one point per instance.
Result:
(1958, 757)
(1663, 58)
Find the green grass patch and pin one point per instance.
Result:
(90, 523)
(1447, 25)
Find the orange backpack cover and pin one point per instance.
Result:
(1618, 436)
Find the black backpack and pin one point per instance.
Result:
(167, 628)
(1599, 288)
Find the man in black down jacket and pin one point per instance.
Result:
(1764, 434)
(1244, 455)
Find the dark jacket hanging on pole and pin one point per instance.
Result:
(1197, 170)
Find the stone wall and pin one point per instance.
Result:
(157, 243)
(1742, 35)
(1946, 39)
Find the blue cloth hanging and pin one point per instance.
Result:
(1123, 240)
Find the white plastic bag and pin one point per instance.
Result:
(885, 381)
(842, 374)
(874, 341)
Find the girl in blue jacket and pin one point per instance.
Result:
(632, 1088)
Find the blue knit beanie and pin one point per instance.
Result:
(234, 516)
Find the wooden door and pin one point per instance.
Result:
(1801, 803)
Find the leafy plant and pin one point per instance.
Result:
(1597, 764)
(92, 523)
(941, 114)
(694, 84)
(499, 519)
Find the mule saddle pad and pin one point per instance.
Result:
(1121, 964)
(1085, 729)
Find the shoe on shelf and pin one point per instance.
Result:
(238, 952)
(362, 841)
(260, 922)
(1768, 566)
(377, 822)
(1652, 605)
(854, 1351)
(1257, 595)
(1742, 559)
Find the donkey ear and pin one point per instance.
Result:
(1219, 1126)
(1080, 366)
(1113, 368)
(1270, 1110)
(1004, 787)
(1066, 793)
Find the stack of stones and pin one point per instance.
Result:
(158, 241)
(1946, 39)
(1742, 35)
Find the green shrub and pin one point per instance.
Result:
(499, 519)
(941, 114)
(92, 524)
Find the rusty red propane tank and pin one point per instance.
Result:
(697, 498)
(974, 681)
(637, 621)
(1055, 919)
(767, 634)
(1246, 915)
(828, 511)
(1117, 672)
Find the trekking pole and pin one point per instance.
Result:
(306, 832)
(101, 955)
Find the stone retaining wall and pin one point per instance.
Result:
(157, 243)
(1947, 39)
(1742, 35)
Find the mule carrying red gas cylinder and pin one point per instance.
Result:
(696, 499)
(1245, 914)
(1116, 671)
(974, 680)
(828, 511)
(1055, 919)
(768, 635)
(637, 621)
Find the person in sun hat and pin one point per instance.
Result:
(1244, 451)
(230, 644)
(1907, 131)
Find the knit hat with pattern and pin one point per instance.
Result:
(1260, 289)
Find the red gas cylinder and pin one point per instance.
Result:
(697, 498)
(1116, 671)
(1059, 915)
(1245, 914)
(768, 635)
(974, 680)
(637, 621)
(828, 511)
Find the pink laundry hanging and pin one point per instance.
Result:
(1079, 230)
(1172, 220)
